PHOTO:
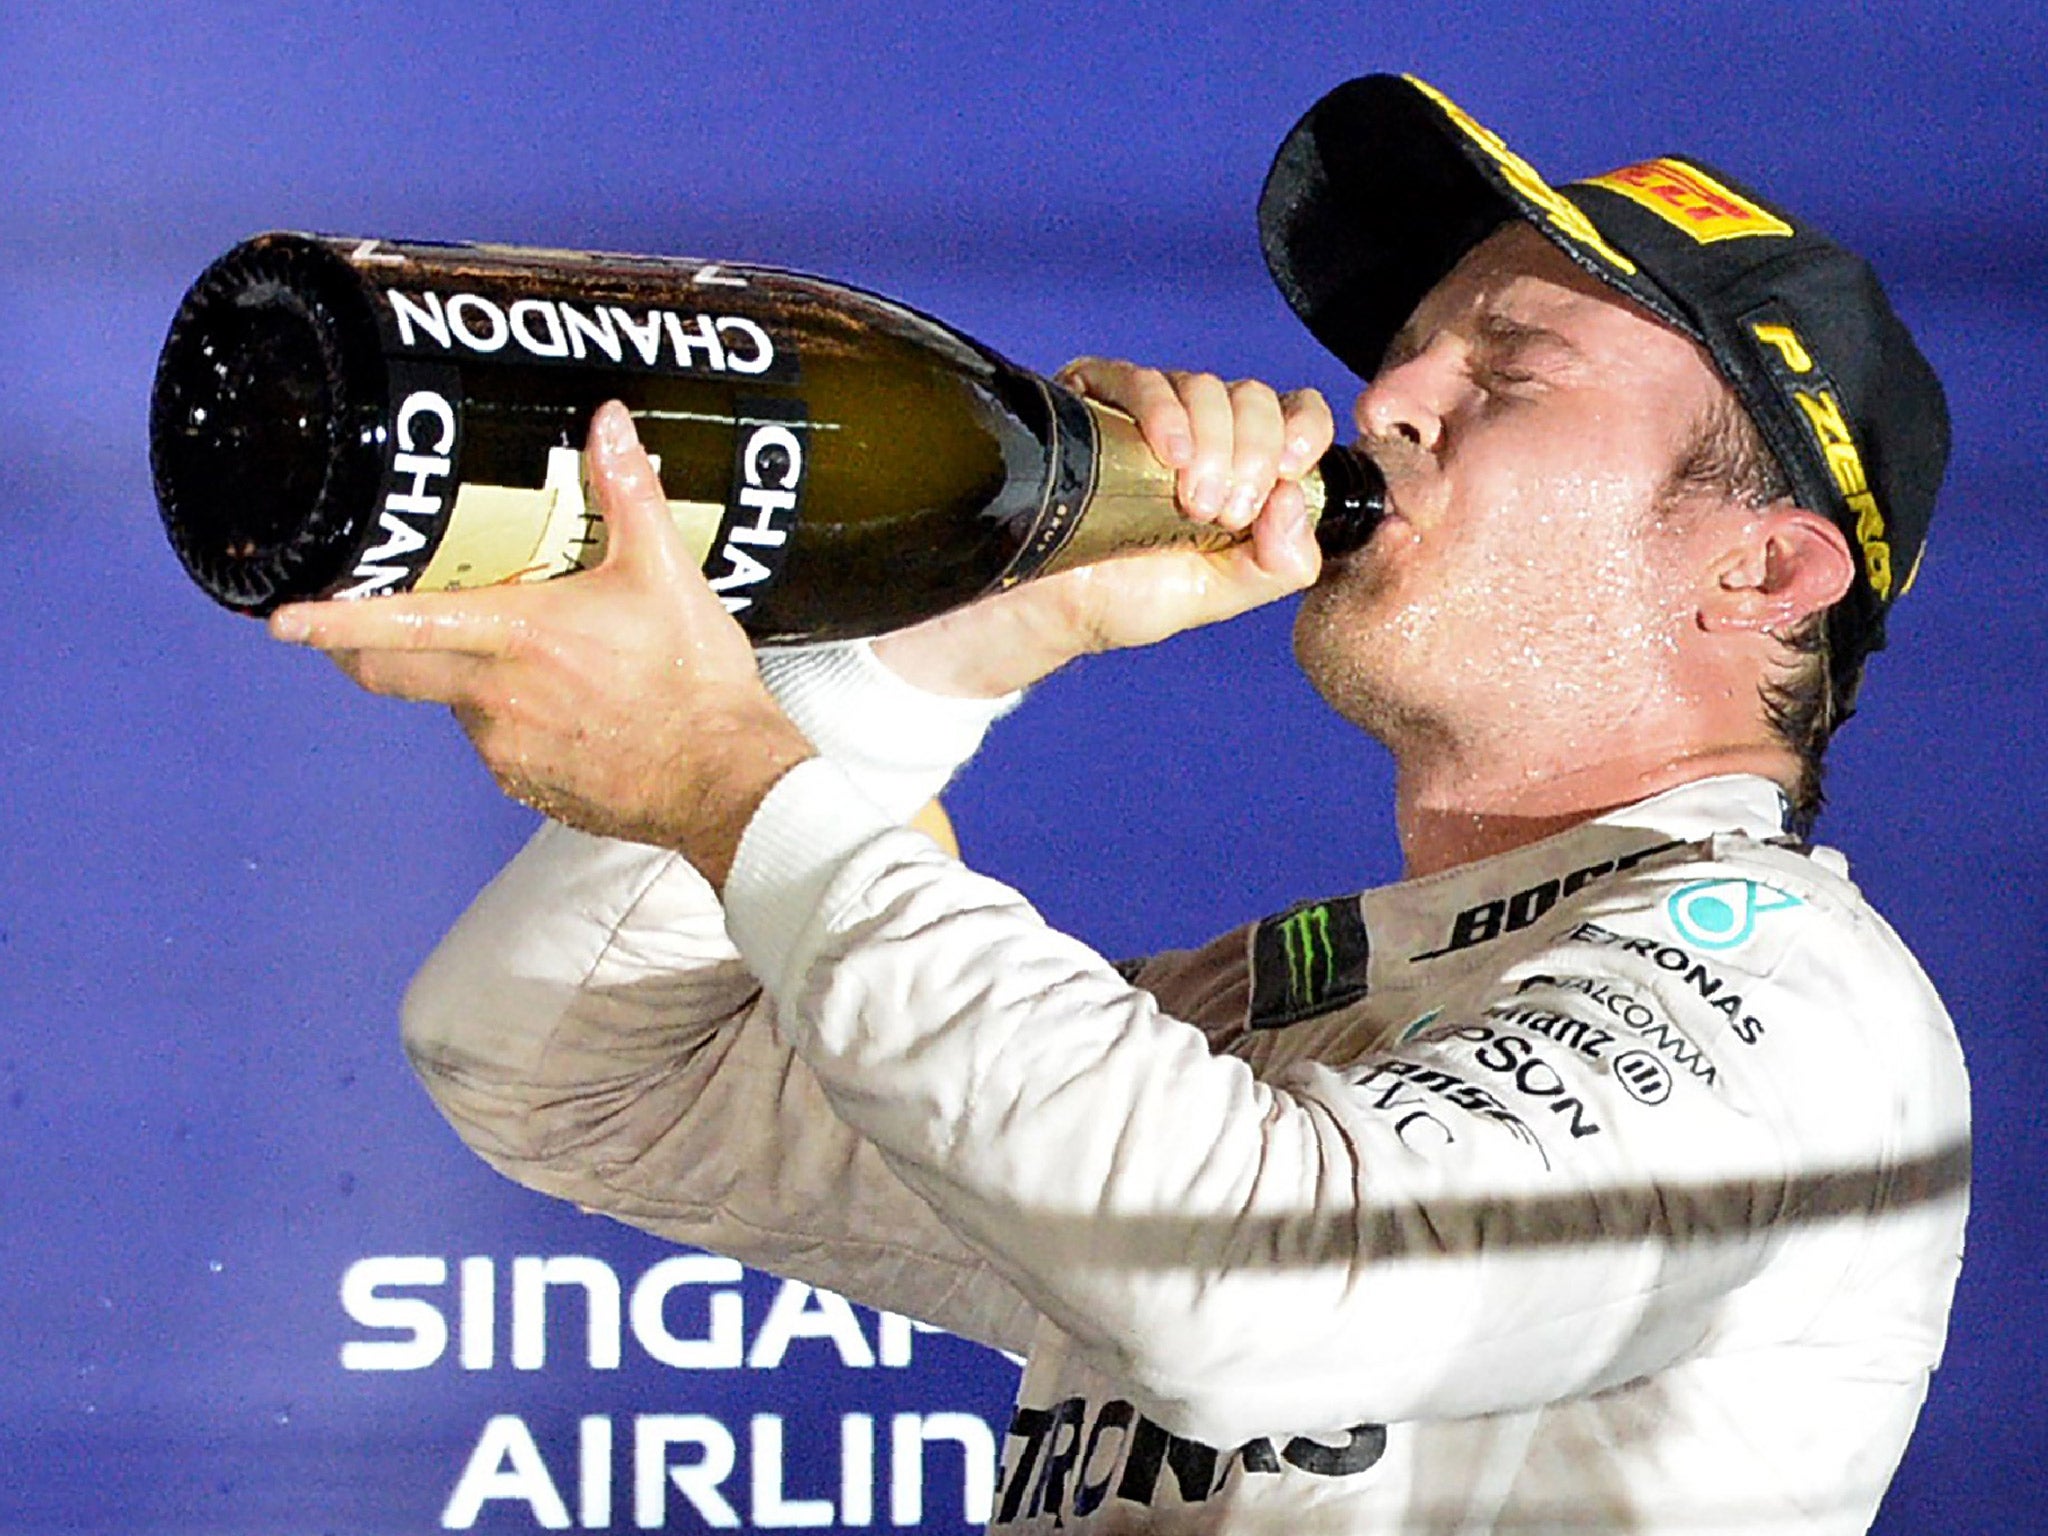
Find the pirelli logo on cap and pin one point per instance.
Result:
(1561, 211)
(1690, 200)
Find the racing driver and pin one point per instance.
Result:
(1607, 1173)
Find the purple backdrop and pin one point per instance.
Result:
(220, 864)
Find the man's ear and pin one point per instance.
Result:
(1782, 563)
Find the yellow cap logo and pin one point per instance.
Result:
(1563, 213)
(1689, 199)
(1838, 446)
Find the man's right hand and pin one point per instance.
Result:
(1238, 451)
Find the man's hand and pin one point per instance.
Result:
(1238, 451)
(624, 701)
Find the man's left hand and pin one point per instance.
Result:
(624, 701)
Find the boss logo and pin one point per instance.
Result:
(1502, 915)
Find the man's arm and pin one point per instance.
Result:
(586, 1025)
(589, 1030)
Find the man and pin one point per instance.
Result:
(1606, 1174)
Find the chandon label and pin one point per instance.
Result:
(509, 327)
(752, 543)
(423, 447)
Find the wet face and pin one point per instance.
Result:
(1528, 420)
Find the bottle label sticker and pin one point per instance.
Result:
(507, 533)
(771, 441)
(501, 533)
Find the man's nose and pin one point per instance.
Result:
(1407, 402)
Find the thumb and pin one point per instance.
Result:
(640, 533)
(1283, 541)
(1280, 556)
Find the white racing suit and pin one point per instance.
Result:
(1616, 1183)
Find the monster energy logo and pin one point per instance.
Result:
(1311, 962)
(1308, 961)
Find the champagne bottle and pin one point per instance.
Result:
(343, 417)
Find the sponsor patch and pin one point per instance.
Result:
(1802, 382)
(1643, 1077)
(1075, 1456)
(1491, 919)
(1522, 1064)
(1722, 914)
(1711, 987)
(1691, 201)
(1830, 428)
(1309, 960)
(1633, 1014)
(1563, 214)
(1451, 1089)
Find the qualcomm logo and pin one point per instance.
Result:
(1722, 914)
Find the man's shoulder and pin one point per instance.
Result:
(1755, 905)
(1765, 945)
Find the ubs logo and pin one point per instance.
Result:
(1643, 1077)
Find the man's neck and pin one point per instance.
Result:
(1452, 809)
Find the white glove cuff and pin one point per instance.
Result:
(897, 742)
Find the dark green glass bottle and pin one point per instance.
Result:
(343, 417)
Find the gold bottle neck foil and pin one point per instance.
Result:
(1133, 509)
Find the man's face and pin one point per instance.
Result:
(1528, 420)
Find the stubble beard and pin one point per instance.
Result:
(1346, 635)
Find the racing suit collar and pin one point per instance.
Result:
(1744, 803)
(1729, 802)
(1458, 910)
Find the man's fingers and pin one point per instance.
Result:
(1255, 447)
(1144, 394)
(1205, 483)
(1308, 428)
(425, 677)
(1225, 441)
(476, 623)
(1283, 543)
(643, 543)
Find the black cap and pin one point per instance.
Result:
(1385, 184)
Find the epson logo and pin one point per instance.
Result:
(753, 540)
(556, 330)
(423, 436)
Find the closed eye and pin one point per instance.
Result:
(1513, 354)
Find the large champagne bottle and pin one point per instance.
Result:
(343, 417)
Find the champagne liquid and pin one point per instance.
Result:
(342, 418)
